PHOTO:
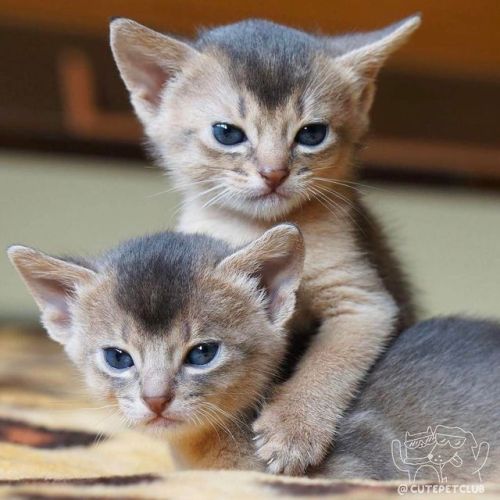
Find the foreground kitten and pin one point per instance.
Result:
(179, 330)
(187, 336)
(258, 123)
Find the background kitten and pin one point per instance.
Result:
(258, 123)
(188, 337)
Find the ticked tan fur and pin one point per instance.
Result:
(357, 315)
(213, 406)
(223, 196)
(79, 310)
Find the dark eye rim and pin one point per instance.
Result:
(216, 125)
(312, 124)
(105, 350)
(207, 342)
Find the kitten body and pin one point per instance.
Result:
(272, 92)
(440, 373)
(157, 297)
(154, 301)
(442, 370)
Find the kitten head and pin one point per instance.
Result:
(176, 329)
(254, 116)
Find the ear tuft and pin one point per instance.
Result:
(370, 50)
(18, 253)
(147, 60)
(276, 259)
(364, 54)
(52, 283)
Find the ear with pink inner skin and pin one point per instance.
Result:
(147, 60)
(53, 283)
(369, 52)
(276, 259)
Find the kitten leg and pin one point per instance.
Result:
(297, 428)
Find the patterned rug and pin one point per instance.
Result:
(55, 444)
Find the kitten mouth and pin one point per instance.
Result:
(271, 195)
(161, 421)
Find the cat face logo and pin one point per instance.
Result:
(419, 441)
(429, 454)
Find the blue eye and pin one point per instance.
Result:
(228, 134)
(312, 134)
(202, 354)
(118, 359)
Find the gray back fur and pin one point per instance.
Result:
(440, 372)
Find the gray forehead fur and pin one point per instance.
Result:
(273, 61)
(156, 274)
(270, 60)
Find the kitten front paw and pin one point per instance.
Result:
(288, 441)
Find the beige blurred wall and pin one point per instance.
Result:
(449, 240)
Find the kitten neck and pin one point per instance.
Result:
(215, 447)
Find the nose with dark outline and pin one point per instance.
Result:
(274, 177)
(157, 404)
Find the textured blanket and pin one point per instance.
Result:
(57, 444)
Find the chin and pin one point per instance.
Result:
(162, 424)
(269, 207)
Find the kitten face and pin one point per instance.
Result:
(246, 348)
(272, 139)
(254, 117)
(175, 329)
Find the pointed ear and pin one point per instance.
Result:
(276, 260)
(146, 60)
(367, 52)
(53, 283)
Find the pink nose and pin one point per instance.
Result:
(274, 176)
(158, 404)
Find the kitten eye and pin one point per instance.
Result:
(118, 359)
(202, 354)
(228, 134)
(312, 134)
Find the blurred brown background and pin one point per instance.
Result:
(436, 111)
(68, 138)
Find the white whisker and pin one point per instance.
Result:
(349, 184)
(179, 187)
